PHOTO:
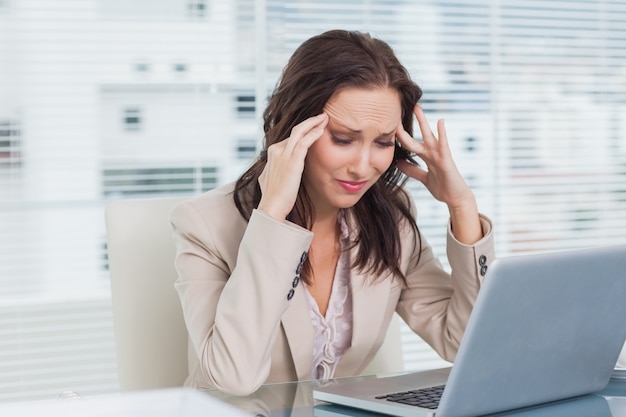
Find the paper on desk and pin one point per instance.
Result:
(617, 406)
(621, 361)
(175, 402)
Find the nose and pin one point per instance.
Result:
(360, 162)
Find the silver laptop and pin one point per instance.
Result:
(544, 328)
(589, 405)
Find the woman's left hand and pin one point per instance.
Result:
(442, 178)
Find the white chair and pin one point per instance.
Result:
(150, 332)
(389, 357)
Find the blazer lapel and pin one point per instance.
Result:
(296, 322)
(370, 304)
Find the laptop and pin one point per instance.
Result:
(589, 405)
(545, 327)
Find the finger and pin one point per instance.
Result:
(413, 171)
(309, 138)
(427, 133)
(407, 141)
(275, 150)
(442, 136)
(301, 130)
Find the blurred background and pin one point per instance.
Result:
(109, 99)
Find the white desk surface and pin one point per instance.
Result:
(174, 402)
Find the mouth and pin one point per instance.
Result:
(352, 186)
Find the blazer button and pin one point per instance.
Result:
(295, 281)
(482, 260)
(290, 295)
(483, 270)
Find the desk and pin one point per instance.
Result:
(294, 399)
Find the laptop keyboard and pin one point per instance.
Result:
(424, 397)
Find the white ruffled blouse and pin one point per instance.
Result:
(333, 332)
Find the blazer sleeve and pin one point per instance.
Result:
(233, 312)
(437, 304)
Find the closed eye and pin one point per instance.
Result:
(385, 144)
(341, 141)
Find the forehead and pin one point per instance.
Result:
(360, 108)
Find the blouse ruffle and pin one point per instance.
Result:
(333, 333)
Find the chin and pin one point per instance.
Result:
(347, 202)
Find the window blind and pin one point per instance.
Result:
(104, 99)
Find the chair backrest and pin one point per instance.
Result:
(150, 332)
(389, 357)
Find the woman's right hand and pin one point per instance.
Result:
(281, 177)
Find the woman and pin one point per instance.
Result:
(294, 271)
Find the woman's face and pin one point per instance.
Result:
(356, 148)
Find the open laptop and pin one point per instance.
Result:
(589, 405)
(544, 327)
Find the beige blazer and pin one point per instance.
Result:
(245, 329)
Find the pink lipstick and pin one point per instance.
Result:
(352, 186)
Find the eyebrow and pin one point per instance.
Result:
(382, 135)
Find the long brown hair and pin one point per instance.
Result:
(319, 68)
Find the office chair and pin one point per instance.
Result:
(150, 332)
(389, 357)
